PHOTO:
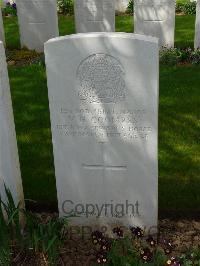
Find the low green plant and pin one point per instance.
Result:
(37, 236)
(135, 249)
(195, 57)
(179, 7)
(10, 9)
(13, 213)
(65, 7)
(173, 56)
(11, 230)
(188, 8)
(190, 258)
(130, 7)
(46, 238)
(5, 250)
(170, 56)
(139, 249)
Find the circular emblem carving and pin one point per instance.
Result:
(101, 79)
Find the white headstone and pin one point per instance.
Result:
(38, 22)
(103, 94)
(121, 5)
(94, 15)
(155, 18)
(9, 161)
(2, 37)
(197, 27)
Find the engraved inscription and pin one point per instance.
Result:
(101, 79)
(103, 124)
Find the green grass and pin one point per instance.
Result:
(179, 127)
(11, 32)
(66, 25)
(30, 103)
(184, 33)
(179, 141)
(182, 1)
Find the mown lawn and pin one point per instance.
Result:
(184, 32)
(179, 127)
(179, 123)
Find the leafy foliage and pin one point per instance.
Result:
(4, 240)
(10, 9)
(45, 237)
(173, 56)
(37, 236)
(135, 249)
(10, 227)
(130, 7)
(188, 8)
(65, 7)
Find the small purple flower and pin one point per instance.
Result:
(14, 5)
(151, 241)
(101, 257)
(118, 231)
(105, 244)
(167, 246)
(173, 262)
(146, 254)
(137, 231)
(97, 237)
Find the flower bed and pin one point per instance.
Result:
(48, 240)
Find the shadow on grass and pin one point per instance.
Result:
(30, 104)
(185, 30)
(11, 32)
(179, 154)
(66, 25)
(179, 141)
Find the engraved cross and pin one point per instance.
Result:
(103, 165)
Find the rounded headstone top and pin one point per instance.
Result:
(121, 35)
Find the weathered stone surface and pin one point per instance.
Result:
(197, 27)
(155, 18)
(2, 36)
(94, 15)
(103, 95)
(38, 22)
(9, 161)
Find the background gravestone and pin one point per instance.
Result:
(155, 18)
(94, 15)
(9, 161)
(121, 5)
(197, 27)
(2, 37)
(103, 95)
(38, 22)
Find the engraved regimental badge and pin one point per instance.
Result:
(101, 79)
